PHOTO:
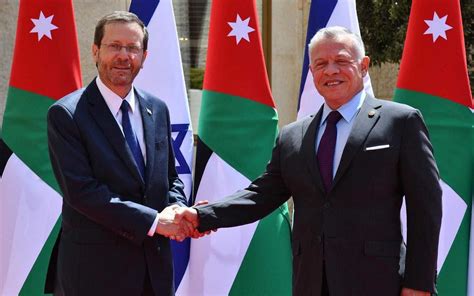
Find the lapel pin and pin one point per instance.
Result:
(371, 113)
(148, 111)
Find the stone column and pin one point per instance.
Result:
(289, 22)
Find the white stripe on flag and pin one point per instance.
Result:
(162, 76)
(344, 15)
(470, 283)
(215, 259)
(454, 209)
(29, 211)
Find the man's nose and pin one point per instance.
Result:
(123, 53)
(331, 68)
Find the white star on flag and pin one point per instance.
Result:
(43, 26)
(437, 27)
(240, 29)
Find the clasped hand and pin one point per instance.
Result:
(179, 223)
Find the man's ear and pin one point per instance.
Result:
(95, 53)
(310, 66)
(145, 53)
(364, 65)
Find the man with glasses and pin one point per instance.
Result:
(111, 150)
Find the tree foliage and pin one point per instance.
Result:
(383, 25)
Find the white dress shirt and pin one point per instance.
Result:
(114, 102)
(344, 126)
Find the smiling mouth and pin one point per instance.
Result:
(333, 83)
(122, 70)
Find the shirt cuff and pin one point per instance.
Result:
(152, 230)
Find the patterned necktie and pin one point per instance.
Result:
(326, 148)
(131, 138)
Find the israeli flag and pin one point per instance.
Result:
(162, 75)
(325, 13)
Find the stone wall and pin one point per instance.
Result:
(8, 19)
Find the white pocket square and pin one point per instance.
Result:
(379, 147)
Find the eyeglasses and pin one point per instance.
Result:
(116, 48)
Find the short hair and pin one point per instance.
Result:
(119, 17)
(335, 33)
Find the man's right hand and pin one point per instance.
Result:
(191, 215)
(174, 227)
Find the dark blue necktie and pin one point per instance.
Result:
(132, 138)
(326, 148)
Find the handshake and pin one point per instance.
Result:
(178, 223)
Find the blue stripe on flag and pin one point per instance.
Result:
(319, 14)
(182, 166)
(180, 259)
(144, 9)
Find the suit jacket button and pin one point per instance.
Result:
(327, 205)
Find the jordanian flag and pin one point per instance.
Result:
(45, 68)
(433, 78)
(237, 130)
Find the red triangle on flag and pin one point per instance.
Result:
(45, 39)
(235, 64)
(434, 56)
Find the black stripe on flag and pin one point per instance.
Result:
(203, 153)
(5, 154)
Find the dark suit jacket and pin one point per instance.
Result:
(108, 208)
(355, 226)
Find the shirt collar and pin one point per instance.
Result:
(114, 101)
(348, 110)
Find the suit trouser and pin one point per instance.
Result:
(147, 288)
(324, 286)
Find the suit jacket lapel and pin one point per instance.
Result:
(364, 122)
(107, 123)
(310, 130)
(146, 110)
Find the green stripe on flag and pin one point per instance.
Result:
(267, 262)
(452, 279)
(451, 132)
(24, 131)
(451, 127)
(225, 123)
(34, 283)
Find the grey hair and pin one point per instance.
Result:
(335, 33)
